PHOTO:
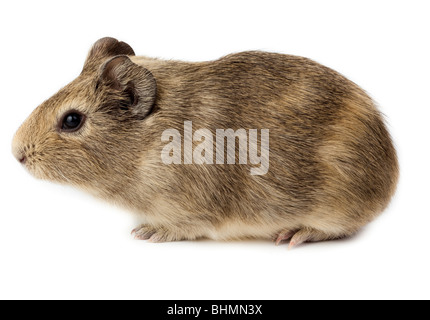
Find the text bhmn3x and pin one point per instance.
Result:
(198, 147)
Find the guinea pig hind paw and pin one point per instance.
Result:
(308, 235)
(284, 236)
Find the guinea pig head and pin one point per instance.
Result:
(88, 133)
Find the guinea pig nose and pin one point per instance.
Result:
(19, 155)
(22, 159)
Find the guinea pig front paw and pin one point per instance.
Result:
(143, 232)
(147, 232)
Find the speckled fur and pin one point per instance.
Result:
(332, 169)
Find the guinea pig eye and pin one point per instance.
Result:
(72, 121)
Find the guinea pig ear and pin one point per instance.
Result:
(130, 87)
(105, 48)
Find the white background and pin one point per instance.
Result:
(56, 242)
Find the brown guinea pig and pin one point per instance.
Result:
(320, 164)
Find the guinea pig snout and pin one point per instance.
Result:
(20, 155)
(20, 151)
(22, 159)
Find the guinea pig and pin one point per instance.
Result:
(140, 132)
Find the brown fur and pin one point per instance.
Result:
(332, 169)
